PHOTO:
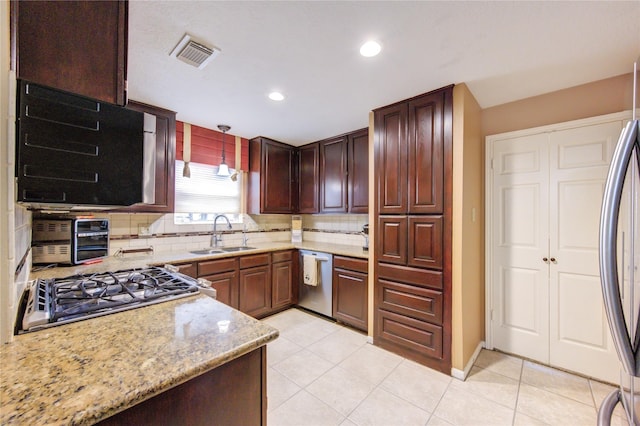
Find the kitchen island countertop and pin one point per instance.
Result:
(82, 372)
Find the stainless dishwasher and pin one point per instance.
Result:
(317, 298)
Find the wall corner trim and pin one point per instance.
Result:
(462, 374)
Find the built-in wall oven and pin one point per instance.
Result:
(70, 240)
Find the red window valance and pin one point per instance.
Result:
(206, 147)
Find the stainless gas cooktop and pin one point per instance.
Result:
(58, 301)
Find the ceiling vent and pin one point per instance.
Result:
(194, 53)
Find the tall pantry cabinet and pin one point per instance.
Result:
(413, 168)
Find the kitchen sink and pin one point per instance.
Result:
(221, 250)
(238, 248)
(207, 251)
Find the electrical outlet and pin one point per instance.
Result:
(144, 230)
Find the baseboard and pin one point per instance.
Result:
(462, 374)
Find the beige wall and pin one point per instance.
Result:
(468, 228)
(587, 100)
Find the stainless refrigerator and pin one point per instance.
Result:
(620, 266)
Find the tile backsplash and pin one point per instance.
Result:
(127, 231)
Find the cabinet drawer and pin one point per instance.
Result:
(415, 276)
(350, 263)
(413, 338)
(410, 300)
(190, 269)
(209, 267)
(255, 260)
(281, 256)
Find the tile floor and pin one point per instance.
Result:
(321, 373)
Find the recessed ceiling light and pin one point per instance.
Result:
(370, 48)
(276, 96)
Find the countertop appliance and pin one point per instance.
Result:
(619, 260)
(318, 298)
(74, 152)
(52, 302)
(69, 240)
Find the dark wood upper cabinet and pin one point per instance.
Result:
(165, 160)
(425, 152)
(390, 125)
(77, 46)
(333, 175)
(309, 188)
(358, 189)
(273, 177)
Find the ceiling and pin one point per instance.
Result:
(503, 51)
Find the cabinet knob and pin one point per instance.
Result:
(544, 259)
(553, 259)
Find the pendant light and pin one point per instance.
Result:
(223, 170)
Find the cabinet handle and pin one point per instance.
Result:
(553, 259)
(544, 259)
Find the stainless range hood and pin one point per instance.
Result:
(77, 153)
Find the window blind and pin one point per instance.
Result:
(205, 192)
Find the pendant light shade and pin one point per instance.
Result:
(223, 170)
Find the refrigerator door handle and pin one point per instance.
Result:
(607, 245)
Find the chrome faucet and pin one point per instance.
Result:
(216, 238)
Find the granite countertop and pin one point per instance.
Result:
(82, 372)
(138, 261)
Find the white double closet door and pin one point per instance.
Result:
(544, 299)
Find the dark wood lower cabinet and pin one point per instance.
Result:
(283, 271)
(255, 291)
(410, 312)
(258, 285)
(235, 393)
(223, 274)
(350, 291)
(226, 285)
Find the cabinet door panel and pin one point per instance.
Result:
(309, 186)
(77, 46)
(273, 184)
(255, 291)
(350, 295)
(425, 151)
(425, 241)
(391, 159)
(282, 284)
(333, 176)
(359, 172)
(392, 235)
(226, 285)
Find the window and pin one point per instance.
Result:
(203, 195)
